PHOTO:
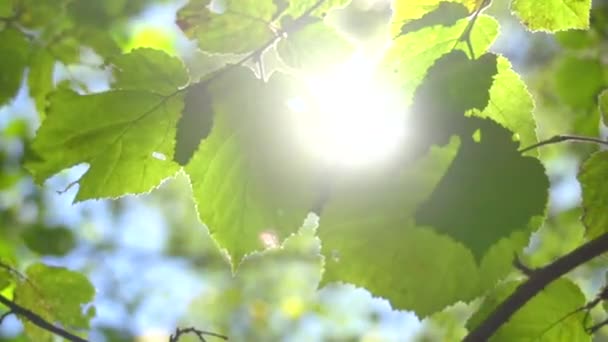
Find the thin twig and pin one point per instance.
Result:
(565, 137)
(539, 279)
(192, 330)
(39, 321)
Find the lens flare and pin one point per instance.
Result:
(351, 120)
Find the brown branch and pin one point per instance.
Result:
(38, 320)
(565, 137)
(537, 281)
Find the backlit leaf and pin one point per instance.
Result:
(553, 15)
(410, 56)
(240, 26)
(245, 177)
(126, 136)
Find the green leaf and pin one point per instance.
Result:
(410, 56)
(504, 191)
(406, 11)
(245, 178)
(371, 241)
(49, 240)
(243, 25)
(40, 78)
(149, 69)
(592, 176)
(195, 123)
(316, 47)
(126, 137)
(553, 15)
(56, 294)
(446, 14)
(14, 54)
(511, 104)
(538, 319)
(586, 73)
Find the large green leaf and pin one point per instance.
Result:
(14, 54)
(246, 177)
(553, 15)
(593, 176)
(539, 319)
(58, 295)
(126, 136)
(243, 25)
(410, 56)
(511, 104)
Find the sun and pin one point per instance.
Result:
(353, 121)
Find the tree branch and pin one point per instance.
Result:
(537, 281)
(565, 137)
(38, 320)
(192, 330)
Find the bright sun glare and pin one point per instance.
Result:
(356, 121)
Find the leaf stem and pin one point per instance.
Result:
(565, 137)
(38, 320)
(537, 281)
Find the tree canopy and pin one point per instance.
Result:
(385, 143)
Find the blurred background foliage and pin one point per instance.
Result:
(152, 262)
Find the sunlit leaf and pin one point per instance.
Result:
(126, 136)
(245, 176)
(553, 15)
(410, 56)
(195, 123)
(57, 295)
(240, 26)
(511, 104)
